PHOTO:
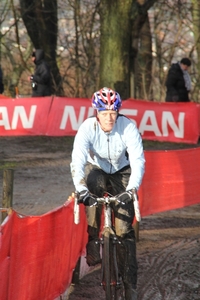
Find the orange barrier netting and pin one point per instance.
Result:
(38, 254)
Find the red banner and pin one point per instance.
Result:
(174, 122)
(24, 116)
(60, 116)
(67, 114)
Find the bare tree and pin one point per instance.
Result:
(141, 51)
(172, 39)
(128, 45)
(195, 26)
(121, 23)
(115, 44)
(82, 43)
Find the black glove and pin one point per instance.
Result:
(125, 197)
(86, 198)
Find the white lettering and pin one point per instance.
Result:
(19, 112)
(90, 112)
(129, 112)
(168, 119)
(153, 126)
(4, 120)
(69, 112)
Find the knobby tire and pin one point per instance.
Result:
(106, 264)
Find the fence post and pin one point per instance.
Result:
(7, 200)
(75, 276)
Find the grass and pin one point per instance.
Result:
(8, 165)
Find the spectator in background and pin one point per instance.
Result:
(41, 79)
(1, 82)
(178, 82)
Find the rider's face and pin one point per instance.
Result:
(107, 119)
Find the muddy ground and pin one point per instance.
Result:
(168, 250)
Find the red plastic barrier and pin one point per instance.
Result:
(171, 180)
(38, 254)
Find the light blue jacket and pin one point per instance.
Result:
(108, 151)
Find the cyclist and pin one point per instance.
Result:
(108, 151)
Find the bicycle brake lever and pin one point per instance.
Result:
(76, 209)
(136, 207)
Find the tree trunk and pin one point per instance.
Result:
(143, 63)
(196, 26)
(114, 45)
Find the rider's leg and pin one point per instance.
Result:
(126, 250)
(93, 247)
(96, 183)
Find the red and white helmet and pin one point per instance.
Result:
(106, 99)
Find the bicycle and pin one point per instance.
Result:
(111, 280)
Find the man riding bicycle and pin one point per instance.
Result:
(108, 154)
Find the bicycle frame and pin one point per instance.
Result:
(108, 240)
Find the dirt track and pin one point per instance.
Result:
(169, 247)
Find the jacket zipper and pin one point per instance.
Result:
(108, 140)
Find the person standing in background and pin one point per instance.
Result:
(41, 79)
(178, 82)
(1, 82)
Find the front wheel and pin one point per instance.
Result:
(106, 264)
(111, 283)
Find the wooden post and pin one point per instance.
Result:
(75, 277)
(7, 200)
(16, 92)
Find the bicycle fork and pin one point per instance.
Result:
(109, 237)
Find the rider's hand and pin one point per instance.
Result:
(86, 198)
(125, 197)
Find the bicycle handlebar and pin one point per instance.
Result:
(106, 200)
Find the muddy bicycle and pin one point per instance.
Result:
(111, 280)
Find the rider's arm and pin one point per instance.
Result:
(136, 156)
(79, 155)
